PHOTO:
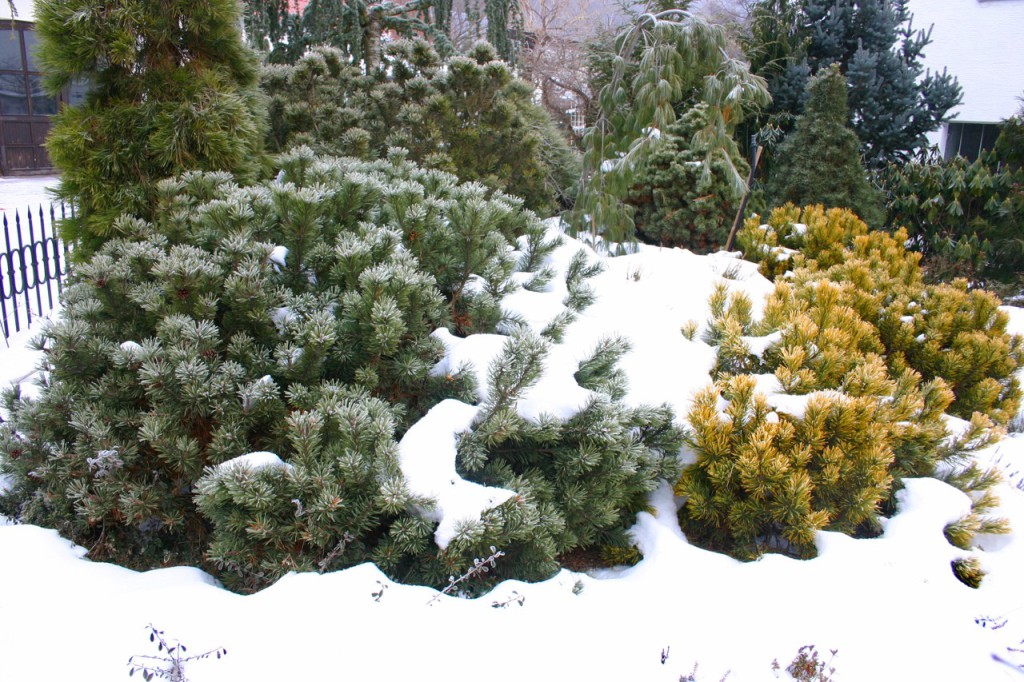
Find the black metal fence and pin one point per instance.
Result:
(33, 266)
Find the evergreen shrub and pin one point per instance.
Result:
(965, 217)
(189, 340)
(230, 381)
(171, 88)
(899, 414)
(765, 480)
(819, 161)
(852, 322)
(585, 476)
(468, 115)
(941, 331)
(676, 202)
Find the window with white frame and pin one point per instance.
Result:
(970, 139)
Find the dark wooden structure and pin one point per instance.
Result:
(25, 109)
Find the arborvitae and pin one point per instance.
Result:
(676, 202)
(202, 334)
(819, 162)
(467, 115)
(172, 88)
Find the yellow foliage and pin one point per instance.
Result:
(767, 481)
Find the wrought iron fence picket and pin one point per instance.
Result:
(26, 267)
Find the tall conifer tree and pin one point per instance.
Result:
(818, 162)
(172, 89)
(893, 100)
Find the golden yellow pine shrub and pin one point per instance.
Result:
(766, 481)
(730, 320)
(823, 340)
(941, 331)
(959, 335)
(819, 236)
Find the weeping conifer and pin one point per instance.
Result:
(659, 60)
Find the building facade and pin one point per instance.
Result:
(25, 110)
(981, 42)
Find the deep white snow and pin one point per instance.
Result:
(890, 607)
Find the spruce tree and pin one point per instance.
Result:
(894, 102)
(819, 162)
(172, 89)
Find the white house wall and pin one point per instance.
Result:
(25, 10)
(981, 42)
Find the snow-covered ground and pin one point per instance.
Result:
(889, 607)
(19, 194)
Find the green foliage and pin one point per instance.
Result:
(355, 26)
(767, 481)
(294, 321)
(660, 61)
(172, 89)
(341, 487)
(965, 217)
(675, 202)
(1010, 143)
(819, 162)
(579, 480)
(893, 100)
(209, 331)
(466, 115)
